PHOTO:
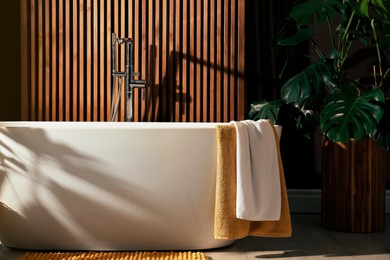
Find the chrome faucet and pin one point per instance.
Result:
(129, 74)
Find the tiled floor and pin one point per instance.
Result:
(309, 241)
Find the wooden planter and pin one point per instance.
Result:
(353, 193)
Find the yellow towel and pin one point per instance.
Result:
(226, 225)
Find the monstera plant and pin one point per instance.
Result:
(325, 93)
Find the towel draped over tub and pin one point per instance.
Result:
(226, 224)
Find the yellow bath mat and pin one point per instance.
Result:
(114, 256)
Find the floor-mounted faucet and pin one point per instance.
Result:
(129, 74)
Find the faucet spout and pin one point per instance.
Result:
(138, 84)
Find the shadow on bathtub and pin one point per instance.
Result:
(57, 197)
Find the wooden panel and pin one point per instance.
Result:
(353, 191)
(190, 52)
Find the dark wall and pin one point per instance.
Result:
(10, 106)
(301, 157)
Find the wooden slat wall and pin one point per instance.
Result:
(191, 53)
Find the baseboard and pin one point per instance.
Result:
(309, 200)
(304, 200)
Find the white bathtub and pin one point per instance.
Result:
(107, 186)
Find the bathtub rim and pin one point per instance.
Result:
(114, 125)
(118, 125)
(79, 124)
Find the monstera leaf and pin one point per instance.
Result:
(325, 9)
(265, 110)
(382, 7)
(299, 36)
(307, 83)
(348, 116)
(297, 30)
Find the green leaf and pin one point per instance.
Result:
(308, 83)
(348, 116)
(362, 7)
(306, 122)
(333, 54)
(300, 36)
(265, 110)
(303, 13)
(382, 7)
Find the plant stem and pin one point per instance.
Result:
(377, 52)
(317, 49)
(330, 32)
(344, 40)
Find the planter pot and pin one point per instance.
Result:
(353, 192)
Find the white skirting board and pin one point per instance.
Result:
(309, 200)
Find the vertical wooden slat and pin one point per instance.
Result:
(163, 55)
(33, 70)
(67, 79)
(61, 65)
(171, 62)
(150, 100)
(241, 61)
(24, 58)
(190, 56)
(178, 94)
(88, 61)
(53, 85)
(114, 29)
(157, 59)
(102, 61)
(135, 16)
(232, 65)
(197, 60)
(130, 18)
(205, 57)
(136, 46)
(138, 49)
(122, 33)
(95, 63)
(108, 60)
(219, 41)
(75, 61)
(226, 61)
(142, 62)
(81, 61)
(213, 63)
(47, 59)
(185, 51)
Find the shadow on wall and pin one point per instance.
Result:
(176, 95)
(46, 211)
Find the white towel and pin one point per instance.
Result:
(258, 177)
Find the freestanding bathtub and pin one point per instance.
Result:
(107, 186)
